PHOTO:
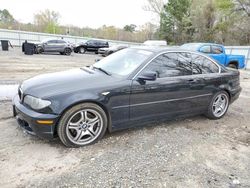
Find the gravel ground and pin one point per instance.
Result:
(15, 66)
(191, 152)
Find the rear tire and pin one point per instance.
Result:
(218, 106)
(82, 125)
(232, 65)
(67, 51)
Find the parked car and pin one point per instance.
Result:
(90, 46)
(155, 43)
(110, 50)
(217, 52)
(132, 87)
(54, 45)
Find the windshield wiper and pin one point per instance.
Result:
(100, 69)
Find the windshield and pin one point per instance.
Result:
(123, 62)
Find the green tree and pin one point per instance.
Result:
(175, 23)
(203, 17)
(6, 19)
(47, 21)
(130, 28)
(225, 19)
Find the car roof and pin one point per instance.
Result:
(157, 49)
(48, 39)
(97, 40)
(201, 43)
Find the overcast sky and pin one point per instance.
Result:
(92, 13)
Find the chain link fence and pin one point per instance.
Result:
(16, 38)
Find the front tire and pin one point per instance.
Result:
(82, 125)
(39, 50)
(218, 105)
(81, 50)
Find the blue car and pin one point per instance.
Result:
(217, 52)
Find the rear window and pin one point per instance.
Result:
(206, 49)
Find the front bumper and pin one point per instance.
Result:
(27, 119)
(101, 51)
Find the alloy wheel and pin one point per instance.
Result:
(84, 126)
(220, 105)
(67, 51)
(82, 50)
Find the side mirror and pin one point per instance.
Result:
(149, 75)
(96, 60)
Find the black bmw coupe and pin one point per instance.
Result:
(132, 87)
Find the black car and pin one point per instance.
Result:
(132, 87)
(90, 46)
(107, 51)
(54, 45)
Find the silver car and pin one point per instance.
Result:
(54, 45)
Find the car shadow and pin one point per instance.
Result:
(175, 123)
(51, 53)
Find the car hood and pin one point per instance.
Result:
(47, 85)
(38, 43)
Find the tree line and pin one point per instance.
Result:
(179, 21)
(220, 21)
(47, 21)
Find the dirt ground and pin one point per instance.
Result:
(15, 66)
(191, 152)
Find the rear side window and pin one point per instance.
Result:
(90, 42)
(217, 50)
(61, 42)
(203, 65)
(98, 43)
(103, 43)
(171, 65)
(52, 41)
(206, 49)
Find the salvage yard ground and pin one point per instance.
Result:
(191, 152)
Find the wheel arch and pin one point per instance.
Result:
(229, 94)
(234, 62)
(227, 90)
(67, 48)
(40, 47)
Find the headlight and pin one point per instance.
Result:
(36, 103)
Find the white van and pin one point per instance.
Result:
(155, 43)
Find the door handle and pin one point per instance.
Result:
(192, 81)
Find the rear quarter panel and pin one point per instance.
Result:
(230, 81)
